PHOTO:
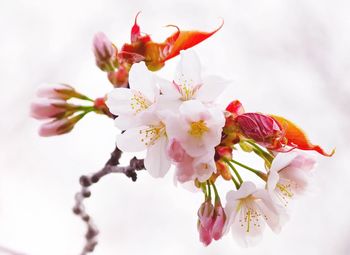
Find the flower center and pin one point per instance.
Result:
(139, 102)
(186, 89)
(250, 215)
(198, 128)
(151, 134)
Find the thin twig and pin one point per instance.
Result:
(112, 166)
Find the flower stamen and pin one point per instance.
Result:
(198, 128)
(152, 134)
(139, 102)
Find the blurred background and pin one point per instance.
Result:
(290, 58)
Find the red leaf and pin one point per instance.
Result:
(187, 39)
(136, 33)
(235, 108)
(297, 138)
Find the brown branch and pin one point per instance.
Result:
(112, 166)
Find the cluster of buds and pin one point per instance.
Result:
(62, 115)
(211, 218)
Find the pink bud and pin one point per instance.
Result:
(205, 222)
(58, 127)
(101, 107)
(46, 109)
(204, 235)
(119, 78)
(175, 151)
(56, 91)
(205, 214)
(219, 221)
(224, 151)
(105, 52)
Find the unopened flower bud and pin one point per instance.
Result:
(58, 126)
(58, 91)
(224, 152)
(223, 170)
(219, 221)
(101, 107)
(205, 222)
(119, 78)
(261, 128)
(105, 53)
(204, 234)
(46, 109)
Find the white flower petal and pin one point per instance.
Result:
(282, 160)
(230, 211)
(193, 110)
(167, 88)
(126, 121)
(269, 209)
(212, 87)
(119, 101)
(188, 71)
(142, 80)
(204, 166)
(157, 162)
(176, 128)
(131, 140)
(247, 188)
(245, 230)
(272, 180)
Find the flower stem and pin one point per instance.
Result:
(234, 170)
(257, 172)
(217, 197)
(260, 152)
(83, 97)
(209, 190)
(204, 189)
(235, 182)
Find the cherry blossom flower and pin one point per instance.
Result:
(136, 111)
(189, 168)
(248, 210)
(289, 176)
(196, 127)
(135, 106)
(151, 138)
(189, 84)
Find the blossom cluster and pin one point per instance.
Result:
(181, 124)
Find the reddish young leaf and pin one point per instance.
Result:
(135, 35)
(297, 138)
(235, 108)
(188, 39)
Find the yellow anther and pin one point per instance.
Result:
(198, 128)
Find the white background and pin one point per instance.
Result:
(290, 58)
